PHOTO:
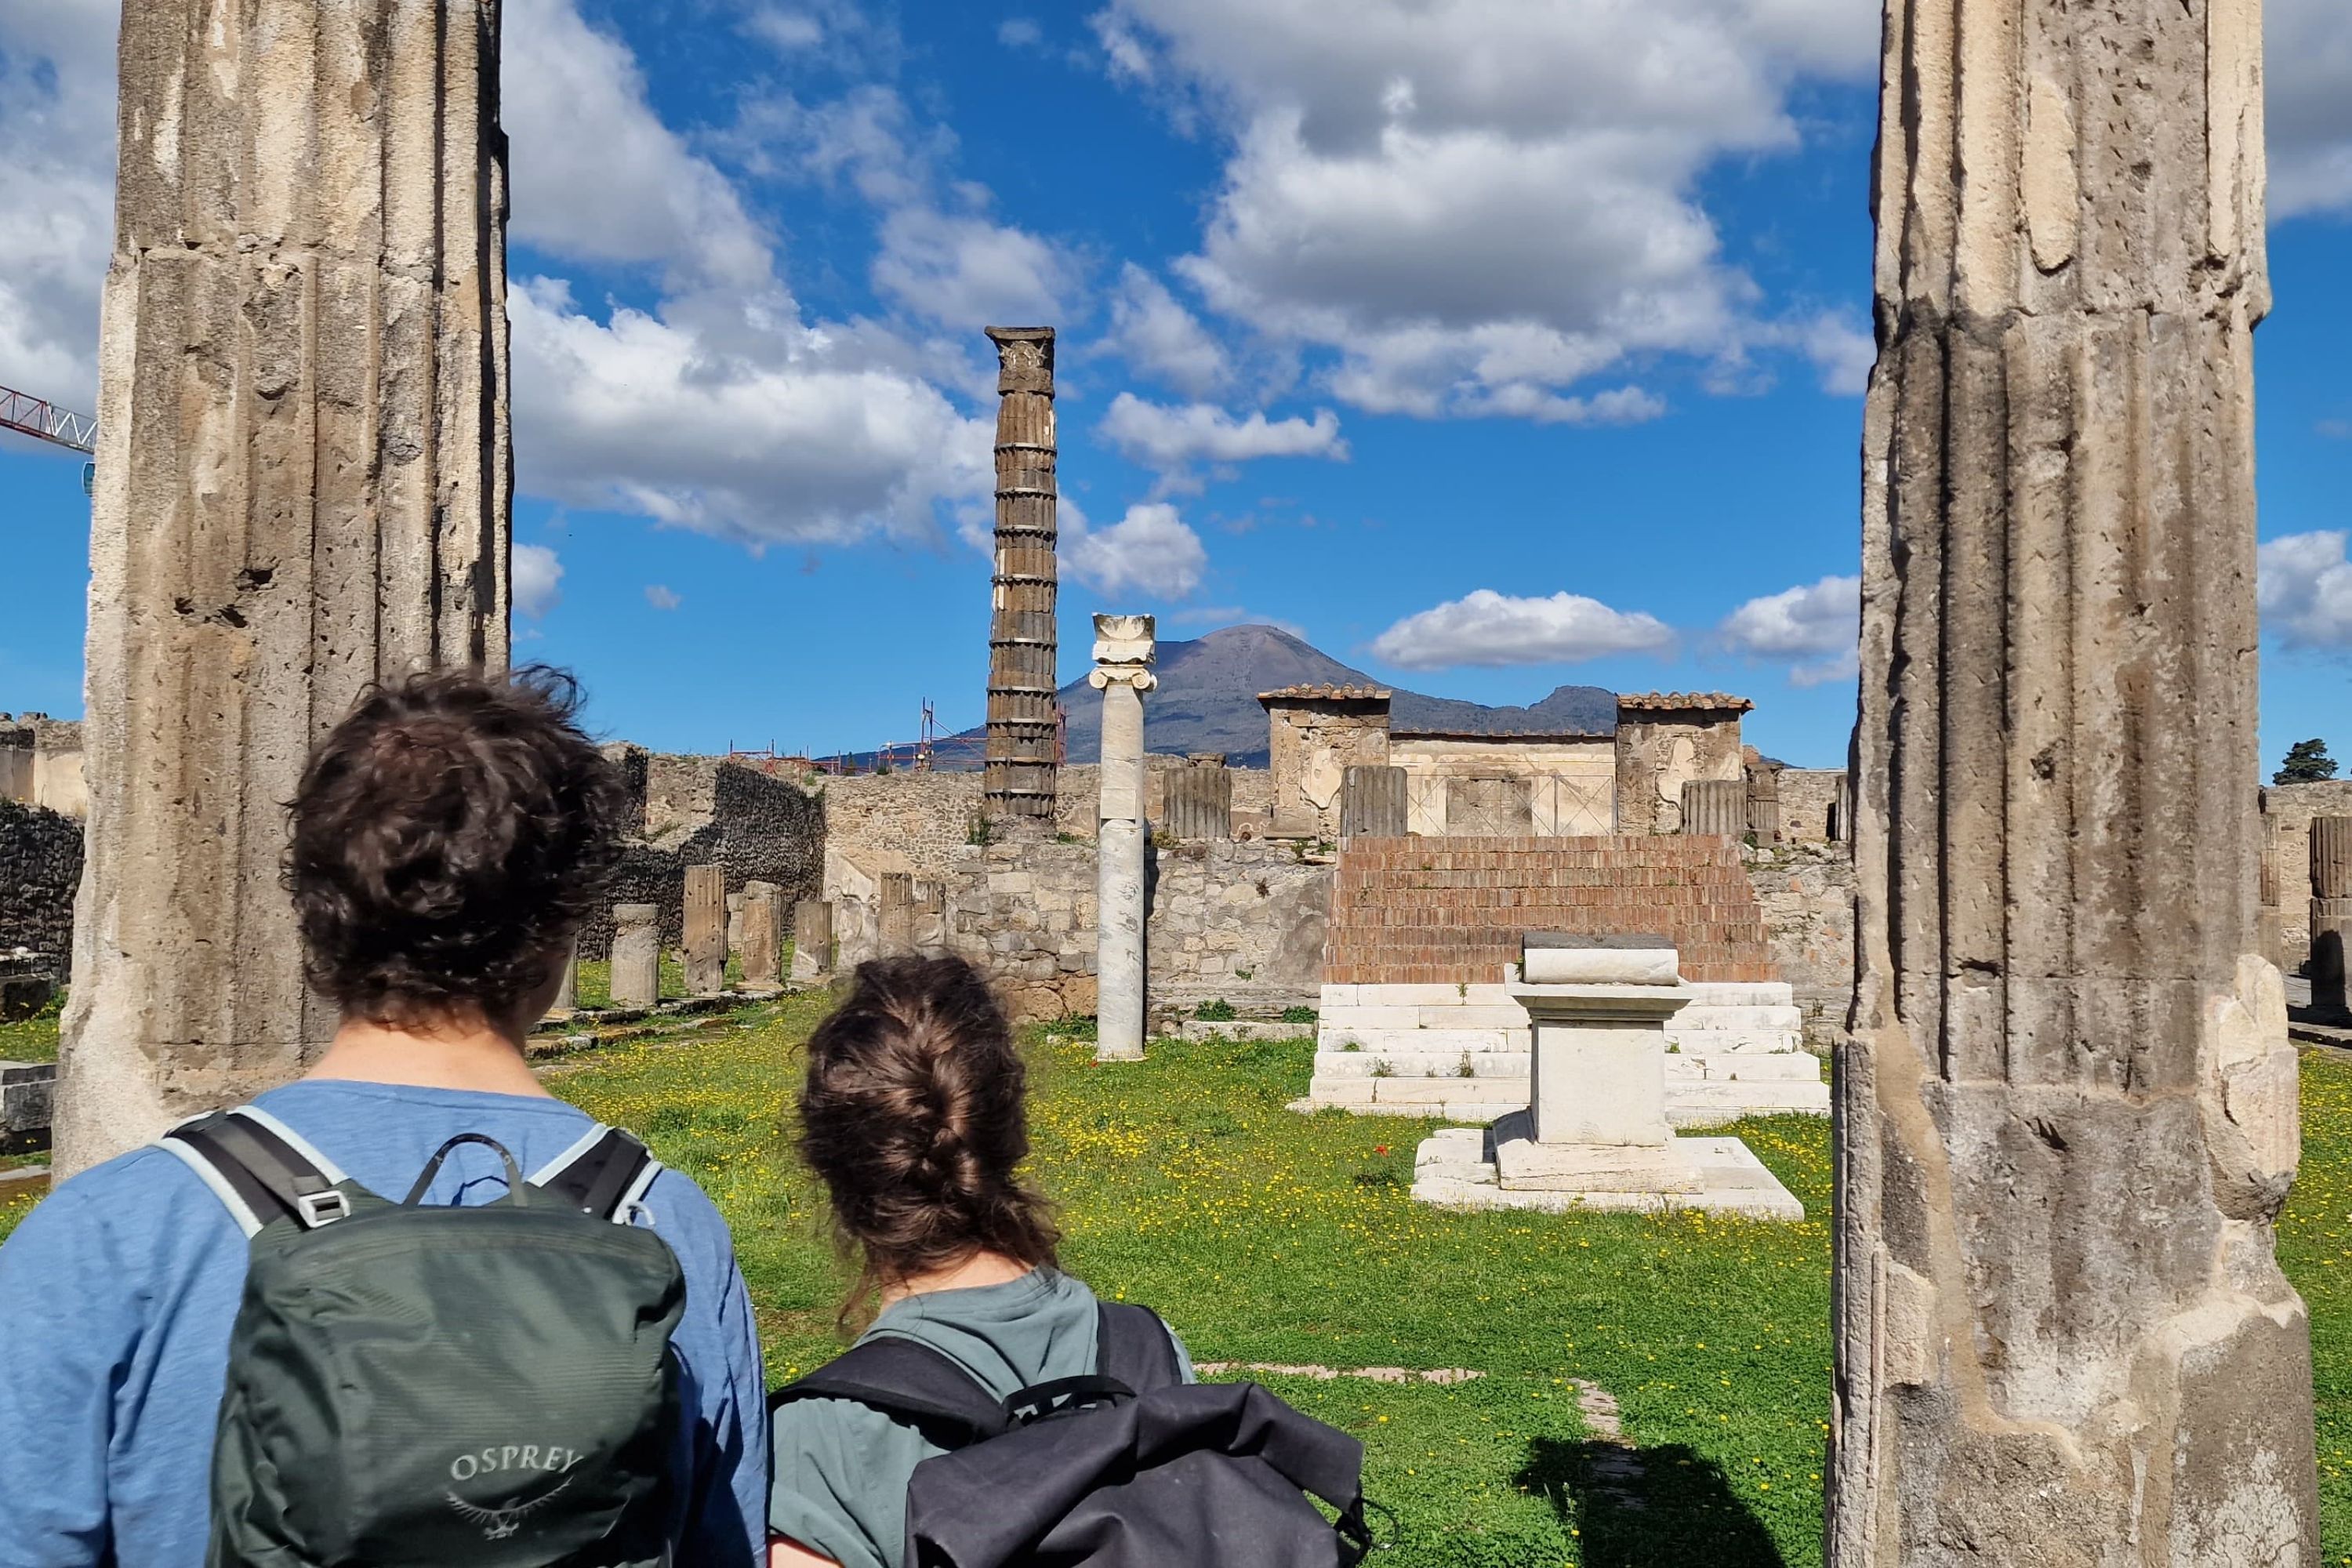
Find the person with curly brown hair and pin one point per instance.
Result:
(449, 838)
(913, 1115)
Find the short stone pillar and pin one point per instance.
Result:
(1125, 646)
(1764, 803)
(812, 941)
(1489, 808)
(761, 954)
(1200, 799)
(706, 930)
(1595, 1134)
(1372, 802)
(894, 914)
(567, 988)
(2331, 909)
(1717, 806)
(637, 955)
(2269, 934)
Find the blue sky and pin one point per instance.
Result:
(1490, 344)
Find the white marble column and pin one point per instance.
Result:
(1123, 654)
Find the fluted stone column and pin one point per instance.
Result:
(763, 948)
(1124, 650)
(2067, 1115)
(1200, 799)
(1715, 806)
(812, 940)
(705, 929)
(1023, 739)
(302, 485)
(637, 955)
(1373, 802)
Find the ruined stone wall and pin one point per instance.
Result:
(2287, 811)
(1311, 744)
(1659, 751)
(1242, 923)
(40, 867)
(40, 763)
(1808, 798)
(758, 827)
(1806, 891)
(1571, 782)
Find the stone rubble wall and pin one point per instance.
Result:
(1806, 892)
(1809, 796)
(2287, 811)
(755, 826)
(40, 869)
(1240, 922)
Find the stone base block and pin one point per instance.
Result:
(1526, 1167)
(1450, 1171)
(1243, 1029)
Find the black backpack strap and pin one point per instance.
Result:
(605, 1173)
(261, 1169)
(910, 1380)
(1134, 1347)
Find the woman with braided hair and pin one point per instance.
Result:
(913, 1116)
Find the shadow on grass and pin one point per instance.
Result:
(1638, 1508)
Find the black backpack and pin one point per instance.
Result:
(1131, 1467)
(488, 1385)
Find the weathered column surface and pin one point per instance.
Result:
(1716, 807)
(1024, 745)
(763, 946)
(1200, 799)
(706, 930)
(637, 955)
(812, 939)
(1373, 802)
(302, 485)
(1124, 651)
(2067, 1115)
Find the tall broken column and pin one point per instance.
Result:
(1023, 747)
(2067, 1116)
(303, 486)
(1124, 650)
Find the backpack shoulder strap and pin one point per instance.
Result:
(260, 1169)
(605, 1173)
(903, 1378)
(1133, 1346)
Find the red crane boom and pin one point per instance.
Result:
(44, 421)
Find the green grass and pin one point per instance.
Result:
(1266, 1237)
(33, 1039)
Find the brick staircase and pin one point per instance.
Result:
(1416, 1019)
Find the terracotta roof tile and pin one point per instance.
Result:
(1684, 701)
(1327, 694)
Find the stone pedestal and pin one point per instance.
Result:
(1124, 651)
(301, 488)
(1595, 1134)
(705, 931)
(567, 989)
(2067, 1110)
(762, 949)
(812, 941)
(637, 955)
(1372, 802)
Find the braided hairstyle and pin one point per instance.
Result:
(913, 1117)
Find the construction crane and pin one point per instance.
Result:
(44, 421)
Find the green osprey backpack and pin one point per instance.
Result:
(414, 1386)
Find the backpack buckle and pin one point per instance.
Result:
(321, 1208)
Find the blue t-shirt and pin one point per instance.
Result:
(118, 1292)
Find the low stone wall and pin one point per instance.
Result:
(1806, 891)
(1240, 922)
(1810, 800)
(40, 869)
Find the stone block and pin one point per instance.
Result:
(26, 1091)
(1465, 1016)
(1598, 965)
(637, 955)
(1523, 1163)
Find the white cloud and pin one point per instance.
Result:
(1157, 335)
(538, 580)
(965, 272)
(2307, 46)
(786, 29)
(661, 598)
(1150, 551)
(56, 189)
(1170, 440)
(1020, 33)
(1476, 204)
(1489, 628)
(2306, 589)
(1817, 627)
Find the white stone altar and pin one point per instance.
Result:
(1595, 1134)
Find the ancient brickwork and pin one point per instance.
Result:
(40, 867)
(303, 486)
(1452, 911)
(2068, 1112)
(1806, 894)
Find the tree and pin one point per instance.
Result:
(2308, 761)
